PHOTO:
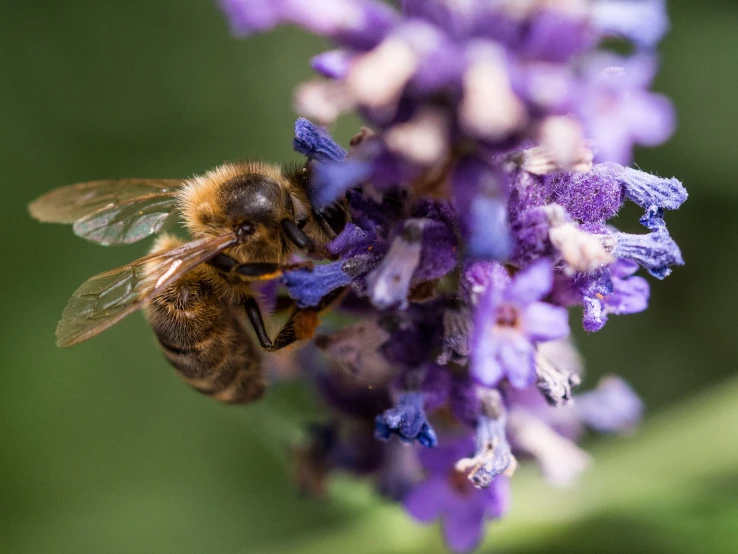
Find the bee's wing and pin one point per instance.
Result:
(105, 299)
(111, 212)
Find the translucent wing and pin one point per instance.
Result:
(105, 299)
(128, 222)
(111, 212)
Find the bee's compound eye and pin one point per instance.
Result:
(245, 229)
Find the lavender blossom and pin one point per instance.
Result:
(510, 320)
(480, 198)
(447, 494)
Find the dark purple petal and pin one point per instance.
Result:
(427, 500)
(439, 252)
(463, 524)
(407, 420)
(441, 460)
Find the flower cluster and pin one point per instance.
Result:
(480, 196)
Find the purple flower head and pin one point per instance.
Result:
(447, 494)
(509, 321)
(474, 217)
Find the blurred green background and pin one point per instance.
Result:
(103, 449)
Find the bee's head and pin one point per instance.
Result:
(251, 202)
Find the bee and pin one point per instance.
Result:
(247, 220)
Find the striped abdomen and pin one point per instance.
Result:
(204, 339)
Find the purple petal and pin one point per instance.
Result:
(389, 283)
(644, 22)
(439, 252)
(463, 523)
(497, 497)
(252, 16)
(543, 321)
(532, 283)
(516, 353)
(655, 251)
(333, 64)
(594, 316)
(441, 460)
(315, 142)
(330, 180)
(485, 368)
(623, 268)
(612, 407)
(427, 500)
(629, 296)
(308, 287)
(651, 118)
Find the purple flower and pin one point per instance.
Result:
(447, 494)
(510, 319)
(620, 293)
(618, 112)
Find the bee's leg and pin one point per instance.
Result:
(257, 322)
(260, 271)
(296, 235)
(303, 322)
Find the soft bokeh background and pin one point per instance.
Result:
(103, 449)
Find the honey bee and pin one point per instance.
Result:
(246, 221)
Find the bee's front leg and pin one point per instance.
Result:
(298, 237)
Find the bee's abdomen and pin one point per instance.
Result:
(206, 343)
